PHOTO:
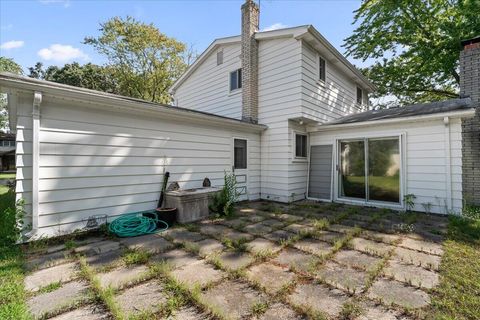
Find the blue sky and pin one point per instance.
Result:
(51, 31)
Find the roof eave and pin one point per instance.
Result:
(464, 113)
(118, 102)
(311, 30)
(216, 43)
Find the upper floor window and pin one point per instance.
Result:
(235, 79)
(219, 57)
(322, 72)
(359, 96)
(300, 145)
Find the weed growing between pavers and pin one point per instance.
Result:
(191, 247)
(351, 310)
(106, 296)
(135, 256)
(182, 291)
(259, 308)
(49, 288)
(239, 245)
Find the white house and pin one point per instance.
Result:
(283, 109)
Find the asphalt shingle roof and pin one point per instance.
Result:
(408, 111)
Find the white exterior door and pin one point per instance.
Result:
(240, 166)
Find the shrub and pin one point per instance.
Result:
(471, 211)
(11, 219)
(223, 201)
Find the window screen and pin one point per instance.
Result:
(321, 69)
(359, 95)
(240, 154)
(235, 79)
(300, 146)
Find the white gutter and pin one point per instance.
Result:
(448, 164)
(37, 100)
(109, 101)
(468, 113)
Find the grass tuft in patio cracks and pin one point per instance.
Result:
(103, 295)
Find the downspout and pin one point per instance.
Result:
(37, 100)
(448, 164)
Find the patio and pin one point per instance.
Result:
(270, 261)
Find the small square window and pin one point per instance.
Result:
(359, 96)
(235, 79)
(300, 145)
(240, 154)
(219, 58)
(321, 69)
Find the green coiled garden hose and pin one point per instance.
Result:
(135, 224)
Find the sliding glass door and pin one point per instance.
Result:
(352, 163)
(369, 169)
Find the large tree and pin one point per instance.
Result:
(414, 44)
(90, 76)
(6, 65)
(145, 62)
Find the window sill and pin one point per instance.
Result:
(300, 160)
(235, 92)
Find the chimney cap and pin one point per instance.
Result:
(473, 40)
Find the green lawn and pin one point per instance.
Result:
(12, 293)
(3, 189)
(7, 176)
(457, 297)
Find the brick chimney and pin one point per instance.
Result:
(249, 58)
(470, 86)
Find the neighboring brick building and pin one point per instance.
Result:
(470, 86)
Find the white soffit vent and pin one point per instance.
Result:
(219, 57)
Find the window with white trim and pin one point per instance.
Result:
(240, 153)
(359, 96)
(301, 141)
(236, 80)
(322, 71)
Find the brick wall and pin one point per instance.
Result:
(470, 86)
(249, 56)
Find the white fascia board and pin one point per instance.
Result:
(468, 113)
(101, 100)
(281, 33)
(216, 43)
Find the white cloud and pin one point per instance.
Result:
(275, 26)
(12, 44)
(65, 3)
(62, 53)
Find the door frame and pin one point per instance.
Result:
(332, 171)
(403, 169)
(243, 172)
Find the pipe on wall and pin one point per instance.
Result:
(448, 164)
(37, 100)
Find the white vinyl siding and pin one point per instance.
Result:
(279, 99)
(207, 89)
(325, 100)
(95, 161)
(425, 153)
